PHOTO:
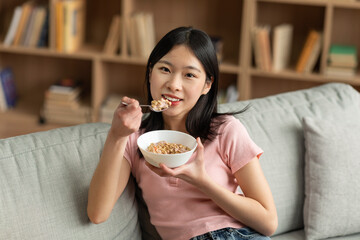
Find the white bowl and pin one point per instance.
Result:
(170, 160)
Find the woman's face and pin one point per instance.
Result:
(180, 78)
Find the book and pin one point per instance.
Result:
(39, 19)
(343, 55)
(25, 14)
(282, 43)
(8, 86)
(112, 42)
(309, 45)
(261, 38)
(314, 55)
(29, 27)
(141, 34)
(67, 116)
(340, 71)
(59, 26)
(257, 49)
(9, 38)
(150, 33)
(3, 104)
(56, 103)
(43, 38)
(73, 24)
(65, 90)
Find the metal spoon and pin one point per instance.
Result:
(149, 106)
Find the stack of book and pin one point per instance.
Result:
(342, 61)
(108, 108)
(69, 25)
(29, 26)
(63, 104)
(8, 95)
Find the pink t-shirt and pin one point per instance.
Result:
(177, 209)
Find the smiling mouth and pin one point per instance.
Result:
(171, 99)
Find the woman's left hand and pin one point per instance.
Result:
(193, 172)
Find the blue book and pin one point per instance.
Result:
(44, 34)
(8, 85)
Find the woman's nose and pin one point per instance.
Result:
(175, 83)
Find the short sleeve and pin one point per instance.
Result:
(238, 148)
(131, 149)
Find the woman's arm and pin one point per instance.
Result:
(113, 170)
(255, 209)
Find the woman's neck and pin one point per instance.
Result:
(175, 124)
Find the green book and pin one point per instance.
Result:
(343, 49)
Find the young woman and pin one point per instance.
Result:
(199, 200)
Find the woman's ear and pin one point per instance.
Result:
(207, 87)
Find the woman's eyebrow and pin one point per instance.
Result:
(170, 64)
(193, 68)
(165, 62)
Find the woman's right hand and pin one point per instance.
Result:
(126, 119)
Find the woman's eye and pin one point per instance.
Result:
(190, 75)
(164, 69)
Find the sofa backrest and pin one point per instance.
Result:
(44, 179)
(274, 123)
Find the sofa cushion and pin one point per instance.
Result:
(300, 235)
(275, 124)
(44, 180)
(332, 167)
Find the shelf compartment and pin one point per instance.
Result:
(341, 33)
(293, 14)
(214, 17)
(125, 79)
(35, 74)
(98, 20)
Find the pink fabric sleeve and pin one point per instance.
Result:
(238, 148)
(131, 148)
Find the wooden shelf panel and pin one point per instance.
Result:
(87, 52)
(299, 2)
(308, 77)
(346, 4)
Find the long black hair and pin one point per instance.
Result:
(203, 119)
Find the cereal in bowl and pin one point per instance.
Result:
(163, 147)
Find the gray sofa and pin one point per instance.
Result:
(44, 176)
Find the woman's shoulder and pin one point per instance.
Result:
(230, 122)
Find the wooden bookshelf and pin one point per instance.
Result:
(35, 69)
